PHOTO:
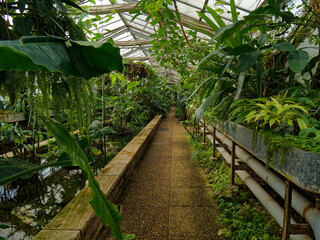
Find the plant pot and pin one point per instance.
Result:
(300, 167)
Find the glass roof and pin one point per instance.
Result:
(120, 28)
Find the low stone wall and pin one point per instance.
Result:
(77, 220)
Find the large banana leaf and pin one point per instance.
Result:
(52, 54)
(108, 212)
(12, 169)
(205, 106)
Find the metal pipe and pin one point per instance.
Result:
(303, 206)
(266, 200)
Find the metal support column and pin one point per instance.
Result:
(287, 211)
(214, 143)
(204, 134)
(233, 160)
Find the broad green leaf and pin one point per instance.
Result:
(72, 58)
(44, 6)
(205, 81)
(205, 106)
(255, 16)
(271, 122)
(96, 151)
(209, 56)
(97, 131)
(285, 47)
(301, 123)
(239, 118)
(23, 25)
(108, 212)
(246, 60)
(12, 169)
(216, 16)
(312, 63)
(208, 20)
(262, 39)
(309, 132)
(298, 60)
(242, 76)
(235, 19)
(287, 16)
(11, 166)
(228, 33)
(132, 85)
(233, 11)
(221, 31)
(241, 49)
(208, 33)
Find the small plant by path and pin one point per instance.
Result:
(242, 216)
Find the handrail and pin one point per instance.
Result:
(303, 206)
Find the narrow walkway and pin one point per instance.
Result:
(168, 197)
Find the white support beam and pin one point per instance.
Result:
(132, 43)
(138, 58)
(106, 9)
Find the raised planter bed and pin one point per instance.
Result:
(300, 167)
(16, 117)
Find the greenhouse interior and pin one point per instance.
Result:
(160, 119)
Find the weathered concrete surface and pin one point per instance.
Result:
(168, 197)
(301, 167)
(77, 220)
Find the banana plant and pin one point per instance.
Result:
(12, 169)
(54, 54)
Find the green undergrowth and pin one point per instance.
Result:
(241, 215)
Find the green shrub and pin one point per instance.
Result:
(241, 215)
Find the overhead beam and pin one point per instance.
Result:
(133, 35)
(105, 9)
(138, 58)
(119, 8)
(196, 7)
(132, 43)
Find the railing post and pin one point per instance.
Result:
(214, 143)
(233, 159)
(287, 211)
(204, 133)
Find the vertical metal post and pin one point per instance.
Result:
(233, 159)
(287, 211)
(214, 142)
(204, 133)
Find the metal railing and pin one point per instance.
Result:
(241, 161)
